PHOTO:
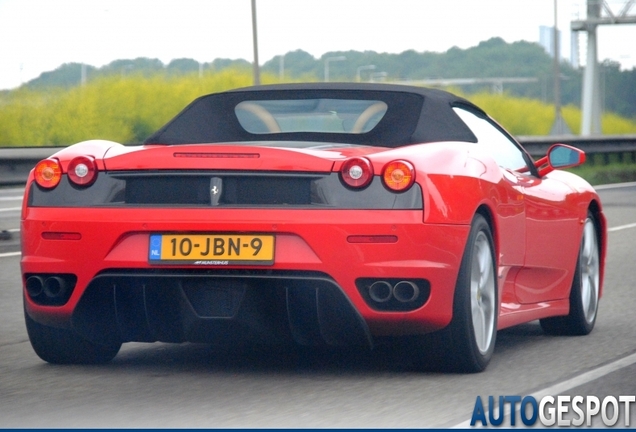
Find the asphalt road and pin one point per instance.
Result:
(162, 385)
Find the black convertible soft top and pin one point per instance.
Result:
(413, 115)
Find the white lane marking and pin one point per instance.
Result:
(13, 190)
(615, 185)
(12, 230)
(10, 254)
(571, 383)
(9, 209)
(11, 198)
(622, 227)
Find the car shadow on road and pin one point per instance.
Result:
(390, 356)
(519, 336)
(258, 359)
(402, 357)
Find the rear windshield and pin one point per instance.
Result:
(348, 113)
(322, 115)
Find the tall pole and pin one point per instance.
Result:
(559, 127)
(360, 69)
(557, 70)
(281, 68)
(591, 122)
(329, 60)
(257, 73)
(591, 98)
(83, 75)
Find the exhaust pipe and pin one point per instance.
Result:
(34, 286)
(380, 291)
(54, 287)
(405, 291)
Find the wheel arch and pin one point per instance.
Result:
(488, 214)
(461, 333)
(600, 223)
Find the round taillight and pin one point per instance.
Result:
(82, 171)
(48, 173)
(357, 172)
(398, 175)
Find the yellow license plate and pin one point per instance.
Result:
(211, 249)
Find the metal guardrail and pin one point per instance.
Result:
(16, 162)
(606, 145)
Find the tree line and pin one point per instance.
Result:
(493, 58)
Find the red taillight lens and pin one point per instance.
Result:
(48, 173)
(398, 175)
(357, 172)
(82, 171)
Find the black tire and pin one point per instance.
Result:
(584, 294)
(460, 347)
(62, 346)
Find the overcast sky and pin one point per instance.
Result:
(40, 35)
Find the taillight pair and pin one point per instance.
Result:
(82, 171)
(397, 175)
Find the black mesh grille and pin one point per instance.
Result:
(164, 190)
(273, 191)
(231, 190)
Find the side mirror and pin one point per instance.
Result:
(560, 156)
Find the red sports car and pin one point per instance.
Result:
(325, 214)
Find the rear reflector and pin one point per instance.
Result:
(372, 239)
(51, 235)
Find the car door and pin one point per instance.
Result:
(511, 211)
(553, 230)
(542, 222)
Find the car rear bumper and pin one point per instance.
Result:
(314, 292)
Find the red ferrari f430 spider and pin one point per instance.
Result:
(321, 214)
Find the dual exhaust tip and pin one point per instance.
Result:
(49, 289)
(403, 291)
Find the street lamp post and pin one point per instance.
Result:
(83, 75)
(559, 127)
(257, 72)
(327, 61)
(281, 68)
(381, 76)
(361, 68)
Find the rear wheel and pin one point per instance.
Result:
(62, 346)
(584, 293)
(468, 343)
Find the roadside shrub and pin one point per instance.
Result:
(523, 116)
(128, 108)
(123, 109)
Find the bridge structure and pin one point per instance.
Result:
(599, 12)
